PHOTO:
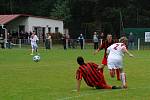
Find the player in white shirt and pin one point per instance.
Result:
(34, 45)
(115, 57)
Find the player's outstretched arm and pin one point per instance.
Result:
(126, 51)
(78, 85)
(96, 51)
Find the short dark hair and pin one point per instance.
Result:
(80, 60)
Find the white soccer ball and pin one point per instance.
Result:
(36, 58)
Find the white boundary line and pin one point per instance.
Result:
(100, 92)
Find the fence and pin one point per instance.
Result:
(139, 44)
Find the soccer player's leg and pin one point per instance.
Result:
(116, 87)
(112, 72)
(123, 80)
(118, 73)
(103, 86)
(32, 49)
(36, 49)
(111, 68)
(123, 77)
(104, 63)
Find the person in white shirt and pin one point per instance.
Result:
(95, 40)
(115, 57)
(34, 45)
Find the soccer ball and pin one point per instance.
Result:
(36, 58)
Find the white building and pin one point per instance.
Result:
(28, 23)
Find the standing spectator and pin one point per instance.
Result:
(48, 41)
(131, 40)
(34, 45)
(64, 41)
(2, 41)
(68, 41)
(102, 36)
(81, 40)
(9, 40)
(95, 40)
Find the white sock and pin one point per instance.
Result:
(32, 51)
(123, 78)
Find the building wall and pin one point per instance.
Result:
(14, 25)
(41, 22)
(31, 22)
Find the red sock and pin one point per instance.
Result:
(118, 74)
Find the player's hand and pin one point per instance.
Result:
(131, 55)
(95, 52)
(99, 67)
(75, 91)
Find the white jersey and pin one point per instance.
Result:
(115, 51)
(34, 39)
(114, 60)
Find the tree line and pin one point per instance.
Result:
(85, 16)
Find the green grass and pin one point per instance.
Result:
(53, 77)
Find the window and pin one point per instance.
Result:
(21, 28)
(49, 29)
(56, 29)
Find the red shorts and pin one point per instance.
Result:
(104, 61)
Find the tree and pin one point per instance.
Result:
(61, 11)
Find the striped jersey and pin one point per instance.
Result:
(91, 75)
(105, 44)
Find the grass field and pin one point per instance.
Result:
(53, 77)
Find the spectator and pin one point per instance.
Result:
(102, 38)
(95, 40)
(2, 41)
(64, 41)
(81, 40)
(48, 41)
(131, 40)
(9, 40)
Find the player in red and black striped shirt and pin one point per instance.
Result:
(92, 75)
